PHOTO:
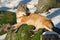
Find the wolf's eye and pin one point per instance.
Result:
(22, 10)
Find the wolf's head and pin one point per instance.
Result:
(22, 10)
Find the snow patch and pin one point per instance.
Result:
(2, 37)
(49, 32)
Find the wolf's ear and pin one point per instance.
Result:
(24, 5)
(19, 6)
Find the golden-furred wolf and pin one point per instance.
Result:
(37, 20)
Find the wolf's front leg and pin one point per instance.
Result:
(15, 27)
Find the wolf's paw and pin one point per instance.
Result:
(13, 28)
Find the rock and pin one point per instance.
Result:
(4, 28)
(45, 5)
(50, 36)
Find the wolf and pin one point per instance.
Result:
(35, 19)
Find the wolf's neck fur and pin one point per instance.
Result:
(19, 14)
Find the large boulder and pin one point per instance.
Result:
(24, 32)
(44, 5)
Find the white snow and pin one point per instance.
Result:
(31, 5)
(9, 3)
(49, 32)
(2, 37)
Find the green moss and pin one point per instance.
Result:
(37, 35)
(23, 32)
(7, 17)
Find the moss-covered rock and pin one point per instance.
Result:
(6, 20)
(4, 28)
(23, 33)
(10, 36)
(7, 17)
(37, 35)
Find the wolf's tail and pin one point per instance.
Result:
(55, 29)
